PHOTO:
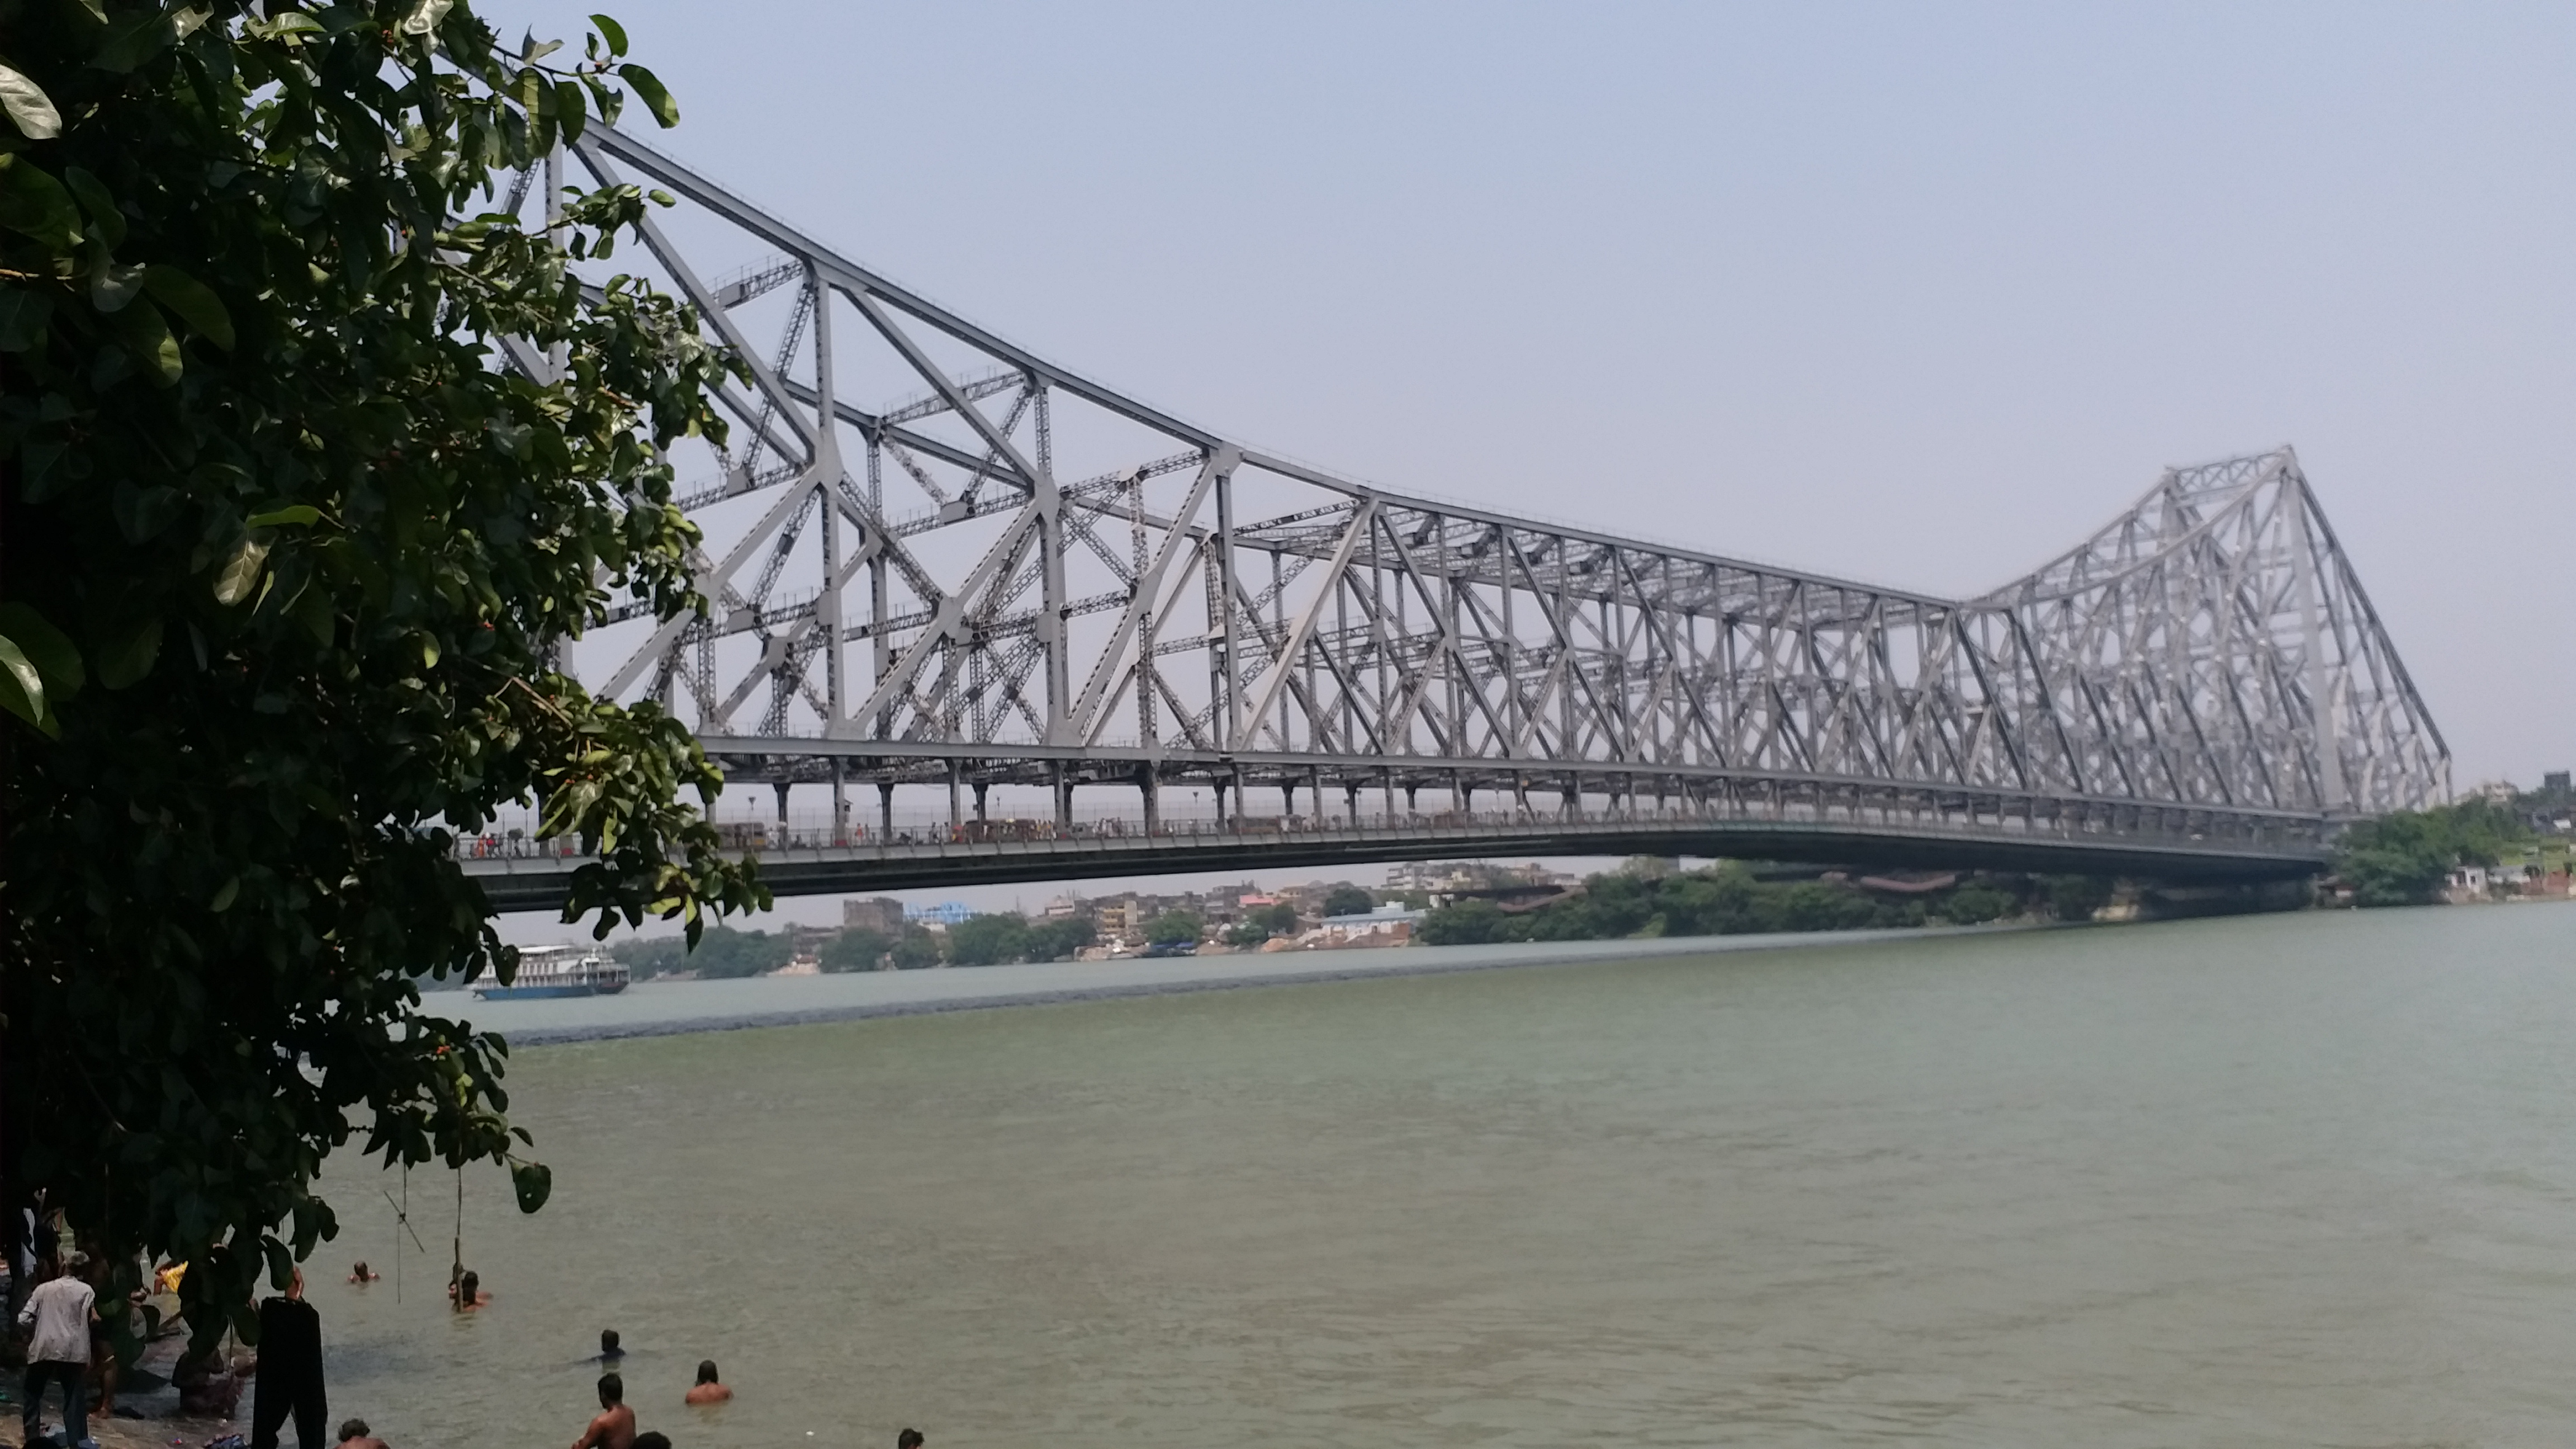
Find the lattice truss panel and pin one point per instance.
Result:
(1009, 563)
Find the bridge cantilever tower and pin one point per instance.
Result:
(1013, 575)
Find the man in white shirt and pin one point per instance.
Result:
(61, 1312)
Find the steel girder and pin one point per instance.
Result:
(1019, 574)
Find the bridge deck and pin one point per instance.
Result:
(536, 876)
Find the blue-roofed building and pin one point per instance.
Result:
(946, 913)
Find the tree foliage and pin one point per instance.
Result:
(2400, 859)
(1348, 900)
(1004, 937)
(285, 557)
(1721, 900)
(1174, 928)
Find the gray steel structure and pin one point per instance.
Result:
(1019, 575)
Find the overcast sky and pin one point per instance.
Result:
(1914, 294)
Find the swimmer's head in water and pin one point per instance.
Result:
(908, 1439)
(469, 1287)
(612, 1390)
(608, 1342)
(352, 1429)
(706, 1370)
(652, 1439)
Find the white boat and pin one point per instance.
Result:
(558, 971)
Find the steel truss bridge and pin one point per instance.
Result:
(1012, 576)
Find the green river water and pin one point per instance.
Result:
(2281, 1180)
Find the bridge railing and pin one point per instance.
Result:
(1994, 817)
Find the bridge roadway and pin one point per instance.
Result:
(1999, 832)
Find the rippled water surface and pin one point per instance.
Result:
(2285, 1180)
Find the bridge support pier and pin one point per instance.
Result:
(885, 809)
(1287, 797)
(781, 788)
(1151, 789)
(1351, 802)
(956, 807)
(980, 787)
(840, 802)
(1063, 797)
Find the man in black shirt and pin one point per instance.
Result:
(290, 1371)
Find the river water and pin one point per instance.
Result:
(2280, 1180)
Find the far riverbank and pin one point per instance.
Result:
(669, 1008)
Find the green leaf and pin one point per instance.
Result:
(534, 1182)
(23, 316)
(22, 690)
(29, 108)
(612, 32)
(49, 648)
(129, 655)
(130, 42)
(112, 286)
(293, 513)
(225, 895)
(656, 99)
(194, 301)
(240, 572)
(101, 206)
(35, 204)
(146, 334)
(569, 112)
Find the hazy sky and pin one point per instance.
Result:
(1915, 294)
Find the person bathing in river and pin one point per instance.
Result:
(354, 1434)
(467, 1292)
(609, 1352)
(707, 1390)
(615, 1426)
(359, 1272)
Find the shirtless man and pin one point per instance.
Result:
(615, 1426)
(354, 1434)
(707, 1390)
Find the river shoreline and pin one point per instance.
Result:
(680, 1008)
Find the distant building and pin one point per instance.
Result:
(946, 913)
(878, 913)
(2554, 782)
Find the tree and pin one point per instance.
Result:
(285, 559)
(1263, 922)
(916, 950)
(1974, 903)
(2401, 858)
(1348, 900)
(988, 940)
(1060, 937)
(856, 948)
(1173, 928)
(1471, 922)
(2077, 897)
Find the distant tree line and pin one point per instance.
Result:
(2401, 859)
(1727, 899)
(991, 940)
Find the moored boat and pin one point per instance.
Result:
(559, 971)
